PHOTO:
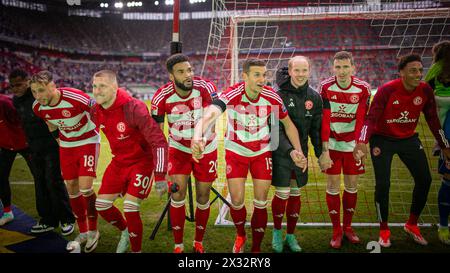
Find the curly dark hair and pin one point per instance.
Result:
(441, 51)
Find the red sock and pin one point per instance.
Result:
(239, 217)
(7, 209)
(135, 228)
(292, 213)
(278, 209)
(78, 205)
(177, 219)
(258, 224)
(92, 214)
(201, 220)
(384, 226)
(413, 219)
(113, 216)
(349, 205)
(334, 209)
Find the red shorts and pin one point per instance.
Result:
(260, 166)
(136, 180)
(182, 163)
(344, 161)
(79, 161)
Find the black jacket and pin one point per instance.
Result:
(304, 106)
(36, 130)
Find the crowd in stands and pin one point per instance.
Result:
(95, 36)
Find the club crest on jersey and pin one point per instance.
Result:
(262, 112)
(354, 98)
(66, 113)
(121, 127)
(376, 151)
(309, 105)
(417, 100)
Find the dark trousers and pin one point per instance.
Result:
(52, 200)
(412, 154)
(6, 161)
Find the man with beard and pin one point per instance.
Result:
(139, 153)
(183, 100)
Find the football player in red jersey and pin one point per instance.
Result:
(390, 128)
(183, 100)
(250, 107)
(139, 151)
(345, 101)
(67, 110)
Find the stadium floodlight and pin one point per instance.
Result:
(118, 5)
(156, 3)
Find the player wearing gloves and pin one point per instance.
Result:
(139, 151)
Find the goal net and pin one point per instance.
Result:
(376, 32)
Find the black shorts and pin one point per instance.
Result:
(282, 175)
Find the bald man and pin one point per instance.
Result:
(304, 106)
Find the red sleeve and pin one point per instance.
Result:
(376, 110)
(95, 116)
(158, 110)
(212, 90)
(326, 116)
(140, 118)
(279, 102)
(361, 112)
(430, 112)
(36, 110)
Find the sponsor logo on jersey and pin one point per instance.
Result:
(142, 192)
(259, 230)
(396, 102)
(200, 227)
(122, 137)
(333, 212)
(334, 97)
(121, 127)
(102, 126)
(66, 113)
(342, 114)
(417, 100)
(402, 119)
(354, 98)
(90, 170)
(47, 116)
(309, 105)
